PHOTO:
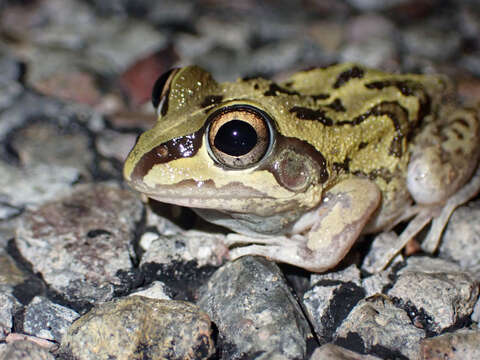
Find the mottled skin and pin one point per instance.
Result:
(348, 150)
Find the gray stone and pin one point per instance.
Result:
(119, 43)
(370, 40)
(115, 145)
(377, 322)
(21, 350)
(349, 274)
(382, 250)
(471, 62)
(68, 26)
(374, 53)
(10, 274)
(334, 352)
(250, 302)
(46, 143)
(375, 284)
(47, 320)
(9, 91)
(460, 345)
(370, 26)
(446, 297)
(30, 105)
(35, 185)
(161, 224)
(8, 211)
(476, 312)
(7, 232)
(139, 328)
(431, 41)
(171, 11)
(378, 282)
(463, 232)
(10, 72)
(330, 300)
(369, 5)
(82, 242)
(275, 57)
(203, 247)
(46, 24)
(155, 290)
(428, 265)
(8, 306)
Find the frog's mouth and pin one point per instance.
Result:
(234, 196)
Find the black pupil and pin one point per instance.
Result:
(235, 138)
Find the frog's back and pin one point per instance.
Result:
(362, 119)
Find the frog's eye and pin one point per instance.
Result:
(161, 89)
(239, 136)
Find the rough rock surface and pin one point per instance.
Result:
(21, 350)
(86, 238)
(47, 320)
(249, 302)
(377, 326)
(136, 327)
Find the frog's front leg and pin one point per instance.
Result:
(321, 238)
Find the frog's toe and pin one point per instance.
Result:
(296, 255)
(236, 239)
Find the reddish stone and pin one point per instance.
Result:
(137, 81)
(75, 86)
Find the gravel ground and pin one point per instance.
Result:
(90, 271)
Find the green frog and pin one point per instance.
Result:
(300, 169)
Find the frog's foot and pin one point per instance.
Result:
(392, 244)
(467, 192)
(438, 215)
(280, 248)
(236, 239)
(322, 238)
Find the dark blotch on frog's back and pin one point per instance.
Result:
(353, 73)
(343, 166)
(336, 105)
(274, 90)
(304, 113)
(407, 88)
(397, 114)
(211, 100)
(362, 145)
(320, 96)
(186, 146)
(381, 173)
(462, 122)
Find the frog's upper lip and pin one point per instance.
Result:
(192, 202)
(196, 194)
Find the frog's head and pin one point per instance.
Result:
(225, 146)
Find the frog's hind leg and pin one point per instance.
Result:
(466, 193)
(443, 159)
(439, 178)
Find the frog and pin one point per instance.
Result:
(300, 169)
